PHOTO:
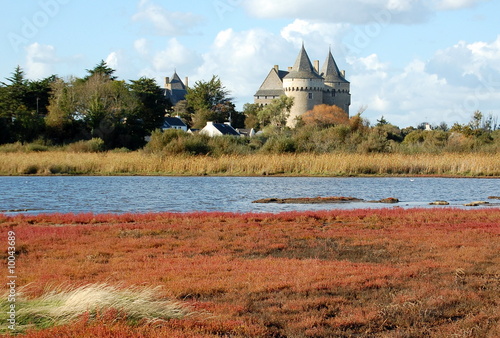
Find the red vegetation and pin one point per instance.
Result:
(389, 272)
(326, 115)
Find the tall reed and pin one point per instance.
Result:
(336, 164)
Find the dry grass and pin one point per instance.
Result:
(64, 305)
(138, 163)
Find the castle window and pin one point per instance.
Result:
(310, 96)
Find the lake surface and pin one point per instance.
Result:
(82, 194)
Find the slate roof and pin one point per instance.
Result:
(303, 68)
(330, 70)
(273, 84)
(178, 91)
(225, 129)
(170, 122)
(177, 83)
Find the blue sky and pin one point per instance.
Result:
(408, 60)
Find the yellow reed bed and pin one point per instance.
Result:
(139, 163)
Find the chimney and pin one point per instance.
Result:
(342, 72)
(186, 82)
(167, 82)
(277, 68)
(316, 66)
(290, 69)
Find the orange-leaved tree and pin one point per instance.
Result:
(324, 115)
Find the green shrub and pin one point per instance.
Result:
(94, 145)
(229, 145)
(279, 145)
(12, 147)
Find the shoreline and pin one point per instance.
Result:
(260, 176)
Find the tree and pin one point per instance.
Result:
(209, 101)
(21, 104)
(382, 121)
(153, 103)
(102, 69)
(476, 120)
(102, 107)
(64, 123)
(277, 112)
(251, 112)
(325, 116)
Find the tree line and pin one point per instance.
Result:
(99, 106)
(107, 113)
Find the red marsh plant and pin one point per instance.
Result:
(388, 272)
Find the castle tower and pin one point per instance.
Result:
(175, 89)
(305, 85)
(337, 89)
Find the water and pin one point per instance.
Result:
(76, 194)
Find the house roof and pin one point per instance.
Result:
(303, 68)
(330, 71)
(222, 128)
(169, 122)
(226, 129)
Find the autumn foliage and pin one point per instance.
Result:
(365, 273)
(325, 115)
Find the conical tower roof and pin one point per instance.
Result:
(330, 71)
(177, 82)
(303, 68)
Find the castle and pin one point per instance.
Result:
(307, 85)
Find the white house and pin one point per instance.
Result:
(219, 129)
(246, 132)
(173, 123)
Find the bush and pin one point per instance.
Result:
(229, 145)
(279, 145)
(160, 139)
(426, 141)
(191, 145)
(12, 147)
(94, 145)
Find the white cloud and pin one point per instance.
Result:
(243, 59)
(449, 87)
(354, 11)
(341, 11)
(40, 60)
(160, 21)
(112, 60)
(141, 46)
(173, 56)
(163, 62)
(456, 4)
(314, 33)
(467, 64)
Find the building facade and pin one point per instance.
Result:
(307, 84)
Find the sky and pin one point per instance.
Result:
(411, 61)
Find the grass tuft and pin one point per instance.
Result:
(63, 305)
